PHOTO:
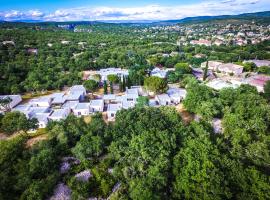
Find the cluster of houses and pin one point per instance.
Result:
(58, 106)
(231, 75)
(232, 34)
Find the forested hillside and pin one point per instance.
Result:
(149, 153)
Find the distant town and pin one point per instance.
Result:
(176, 109)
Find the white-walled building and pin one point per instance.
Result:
(14, 101)
(177, 95)
(76, 92)
(43, 119)
(230, 68)
(97, 105)
(59, 114)
(70, 105)
(112, 71)
(112, 110)
(25, 109)
(219, 84)
(41, 102)
(161, 73)
(259, 63)
(163, 99)
(58, 99)
(212, 65)
(132, 94)
(109, 98)
(82, 109)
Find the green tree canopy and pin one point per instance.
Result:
(155, 84)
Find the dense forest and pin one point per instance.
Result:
(46, 57)
(150, 153)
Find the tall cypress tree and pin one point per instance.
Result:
(111, 87)
(205, 71)
(105, 87)
(124, 84)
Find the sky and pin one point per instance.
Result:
(92, 10)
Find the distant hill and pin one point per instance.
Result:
(262, 16)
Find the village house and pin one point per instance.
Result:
(219, 84)
(25, 109)
(82, 109)
(163, 99)
(58, 99)
(152, 103)
(41, 101)
(201, 42)
(42, 119)
(59, 114)
(176, 95)
(97, 105)
(161, 73)
(132, 94)
(112, 110)
(121, 73)
(109, 98)
(230, 68)
(14, 101)
(70, 105)
(259, 63)
(212, 65)
(258, 81)
(76, 92)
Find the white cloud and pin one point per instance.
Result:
(150, 12)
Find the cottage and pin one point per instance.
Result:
(76, 96)
(140, 90)
(14, 101)
(219, 84)
(112, 110)
(258, 81)
(161, 73)
(201, 42)
(176, 94)
(132, 94)
(25, 109)
(109, 98)
(128, 104)
(70, 105)
(259, 63)
(59, 114)
(230, 68)
(39, 110)
(152, 102)
(82, 109)
(212, 65)
(41, 102)
(163, 99)
(58, 99)
(97, 105)
(76, 92)
(42, 119)
(121, 73)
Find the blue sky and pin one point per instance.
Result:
(72, 10)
